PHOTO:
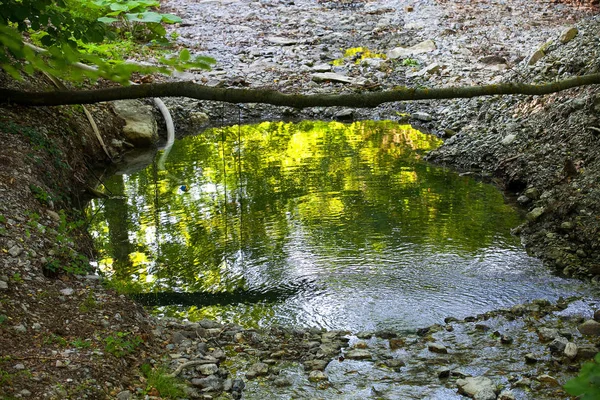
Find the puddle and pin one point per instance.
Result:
(330, 225)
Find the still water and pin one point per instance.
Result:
(332, 225)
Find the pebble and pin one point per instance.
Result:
(530, 358)
(207, 369)
(3, 285)
(20, 328)
(257, 369)
(570, 350)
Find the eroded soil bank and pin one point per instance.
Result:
(70, 337)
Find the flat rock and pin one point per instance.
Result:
(421, 116)
(358, 354)
(3, 285)
(333, 77)
(547, 334)
(473, 385)
(208, 369)
(283, 41)
(548, 379)
(437, 348)
(321, 68)
(568, 34)
(210, 383)
(419, 48)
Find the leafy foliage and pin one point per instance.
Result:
(120, 344)
(67, 27)
(587, 383)
(158, 379)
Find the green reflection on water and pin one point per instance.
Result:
(234, 205)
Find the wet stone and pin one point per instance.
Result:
(437, 348)
(317, 376)
(547, 334)
(394, 363)
(313, 365)
(358, 354)
(473, 386)
(530, 358)
(505, 339)
(258, 369)
(443, 373)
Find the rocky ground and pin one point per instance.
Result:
(68, 336)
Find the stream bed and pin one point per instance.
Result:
(314, 224)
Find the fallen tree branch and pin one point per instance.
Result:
(359, 100)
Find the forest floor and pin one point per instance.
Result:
(68, 336)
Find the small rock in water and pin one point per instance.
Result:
(530, 358)
(597, 315)
(394, 363)
(505, 339)
(397, 343)
(437, 348)
(506, 395)
(443, 373)
(317, 376)
(313, 365)
(258, 369)
(358, 354)
(547, 334)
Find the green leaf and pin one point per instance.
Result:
(107, 20)
(119, 7)
(184, 55)
(170, 19)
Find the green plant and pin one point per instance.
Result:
(136, 18)
(410, 62)
(65, 26)
(3, 318)
(587, 383)
(52, 338)
(17, 278)
(89, 303)
(121, 343)
(169, 387)
(80, 343)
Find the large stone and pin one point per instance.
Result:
(140, 126)
(570, 350)
(539, 53)
(535, 213)
(419, 48)
(568, 34)
(473, 385)
(548, 379)
(590, 328)
(333, 77)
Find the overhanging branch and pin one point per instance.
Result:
(359, 100)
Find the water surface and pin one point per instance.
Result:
(314, 224)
